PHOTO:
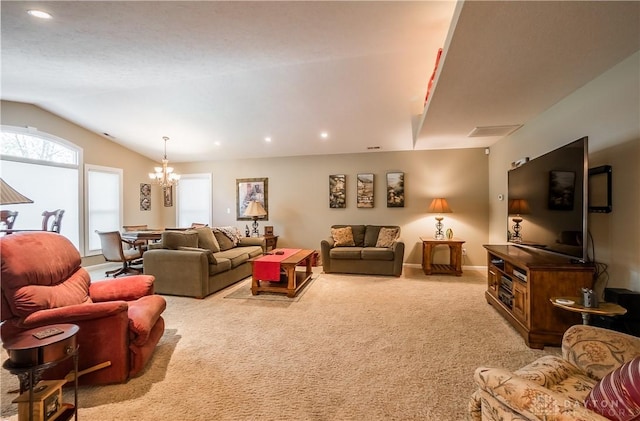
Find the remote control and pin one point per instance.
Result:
(48, 332)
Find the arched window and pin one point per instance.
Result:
(44, 168)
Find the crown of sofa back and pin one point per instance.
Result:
(366, 235)
(36, 259)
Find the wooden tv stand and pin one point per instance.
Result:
(520, 283)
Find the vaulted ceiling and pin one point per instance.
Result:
(220, 77)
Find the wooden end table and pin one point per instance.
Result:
(455, 256)
(295, 279)
(603, 309)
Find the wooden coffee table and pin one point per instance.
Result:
(295, 279)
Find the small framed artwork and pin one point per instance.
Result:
(168, 196)
(250, 190)
(395, 190)
(561, 190)
(364, 186)
(337, 191)
(145, 197)
(268, 230)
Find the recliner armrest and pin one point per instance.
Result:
(74, 313)
(126, 289)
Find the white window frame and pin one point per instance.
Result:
(203, 176)
(110, 170)
(34, 132)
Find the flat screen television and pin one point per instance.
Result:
(547, 201)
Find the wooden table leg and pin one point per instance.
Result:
(255, 283)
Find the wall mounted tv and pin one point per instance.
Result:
(547, 197)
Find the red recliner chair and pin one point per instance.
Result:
(43, 283)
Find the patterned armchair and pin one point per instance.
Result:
(553, 388)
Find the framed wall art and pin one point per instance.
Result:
(168, 196)
(364, 184)
(395, 190)
(145, 196)
(337, 191)
(250, 189)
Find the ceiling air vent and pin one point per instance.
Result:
(487, 131)
(373, 148)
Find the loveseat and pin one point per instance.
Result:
(363, 249)
(119, 319)
(570, 387)
(201, 261)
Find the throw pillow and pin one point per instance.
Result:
(174, 239)
(342, 236)
(387, 237)
(223, 240)
(617, 395)
(207, 240)
(231, 232)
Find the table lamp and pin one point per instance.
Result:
(439, 206)
(517, 207)
(255, 210)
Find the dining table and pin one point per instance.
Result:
(142, 235)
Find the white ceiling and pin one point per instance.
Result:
(232, 73)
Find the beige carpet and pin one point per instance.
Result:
(352, 348)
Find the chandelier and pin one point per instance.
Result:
(164, 176)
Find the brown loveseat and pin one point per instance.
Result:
(552, 387)
(43, 284)
(363, 249)
(199, 262)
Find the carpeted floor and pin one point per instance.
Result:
(351, 348)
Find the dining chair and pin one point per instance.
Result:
(8, 217)
(49, 224)
(113, 250)
(198, 225)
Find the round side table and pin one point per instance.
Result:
(573, 304)
(33, 351)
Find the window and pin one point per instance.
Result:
(45, 169)
(104, 203)
(194, 199)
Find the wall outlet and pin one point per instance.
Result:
(464, 252)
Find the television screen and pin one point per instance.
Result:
(547, 201)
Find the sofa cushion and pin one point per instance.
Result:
(617, 395)
(210, 257)
(237, 255)
(371, 235)
(223, 265)
(375, 253)
(174, 239)
(225, 242)
(387, 237)
(346, 253)
(206, 239)
(342, 236)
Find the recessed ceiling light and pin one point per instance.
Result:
(267, 139)
(324, 135)
(39, 14)
(216, 143)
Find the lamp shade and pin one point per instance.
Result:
(9, 196)
(255, 210)
(439, 205)
(518, 207)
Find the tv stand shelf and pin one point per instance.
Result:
(520, 283)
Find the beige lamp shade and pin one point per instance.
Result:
(9, 196)
(439, 205)
(255, 210)
(518, 207)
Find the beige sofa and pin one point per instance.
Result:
(363, 252)
(552, 387)
(199, 262)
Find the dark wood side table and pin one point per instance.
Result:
(30, 356)
(270, 242)
(455, 256)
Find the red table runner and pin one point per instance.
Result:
(267, 267)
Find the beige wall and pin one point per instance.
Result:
(299, 205)
(97, 151)
(607, 110)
